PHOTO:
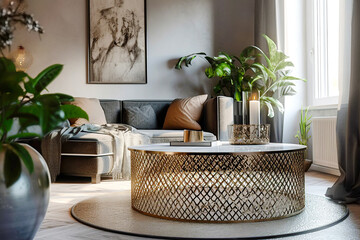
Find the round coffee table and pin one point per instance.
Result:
(227, 183)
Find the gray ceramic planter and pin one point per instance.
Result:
(24, 204)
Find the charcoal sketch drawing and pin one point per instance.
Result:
(117, 41)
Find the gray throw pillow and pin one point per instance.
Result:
(143, 117)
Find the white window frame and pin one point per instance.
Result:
(317, 78)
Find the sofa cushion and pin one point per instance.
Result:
(142, 117)
(92, 107)
(160, 108)
(165, 136)
(185, 113)
(112, 110)
(88, 144)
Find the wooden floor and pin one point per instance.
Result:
(58, 223)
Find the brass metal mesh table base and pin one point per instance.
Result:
(224, 187)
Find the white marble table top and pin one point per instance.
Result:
(225, 147)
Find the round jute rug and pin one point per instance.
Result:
(113, 212)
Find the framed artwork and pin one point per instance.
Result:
(117, 41)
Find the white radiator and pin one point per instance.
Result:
(324, 142)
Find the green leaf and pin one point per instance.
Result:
(237, 95)
(270, 109)
(210, 60)
(272, 47)
(282, 84)
(238, 59)
(187, 59)
(271, 74)
(283, 64)
(209, 72)
(10, 89)
(267, 73)
(225, 68)
(241, 72)
(261, 68)
(278, 60)
(268, 61)
(217, 88)
(29, 85)
(6, 65)
(239, 81)
(278, 104)
(304, 127)
(179, 62)
(72, 111)
(12, 167)
(23, 135)
(29, 110)
(258, 81)
(246, 86)
(224, 54)
(249, 54)
(23, 154)
(61, 97)
(293, 78)
(6, 124)
(287, 91)
(218, 72)
(28, 115)
(46, 77)
(51, 114)
(272, 101)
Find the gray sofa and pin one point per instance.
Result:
(91, 155)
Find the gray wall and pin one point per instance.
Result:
(174, 28)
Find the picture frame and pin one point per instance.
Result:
(117, 42)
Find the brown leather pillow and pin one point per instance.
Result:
(92, 107)
(185, 113)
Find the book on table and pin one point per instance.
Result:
(195, 144)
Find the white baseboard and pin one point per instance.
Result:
(323, 169)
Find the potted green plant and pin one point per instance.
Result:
(231, 71)
(275, 79)
(303, 133)
(233, 74)
(237, 74)
(24, 177)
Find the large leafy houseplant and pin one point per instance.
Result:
(269, 73)
(274, 73)
(231, 71)
(22, 101)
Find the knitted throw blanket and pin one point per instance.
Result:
(124, 137)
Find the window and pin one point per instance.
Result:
(324, 68)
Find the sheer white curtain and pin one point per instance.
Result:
(269, 20)
(347, 187)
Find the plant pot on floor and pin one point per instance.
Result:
(307, 164)
(23, 205)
